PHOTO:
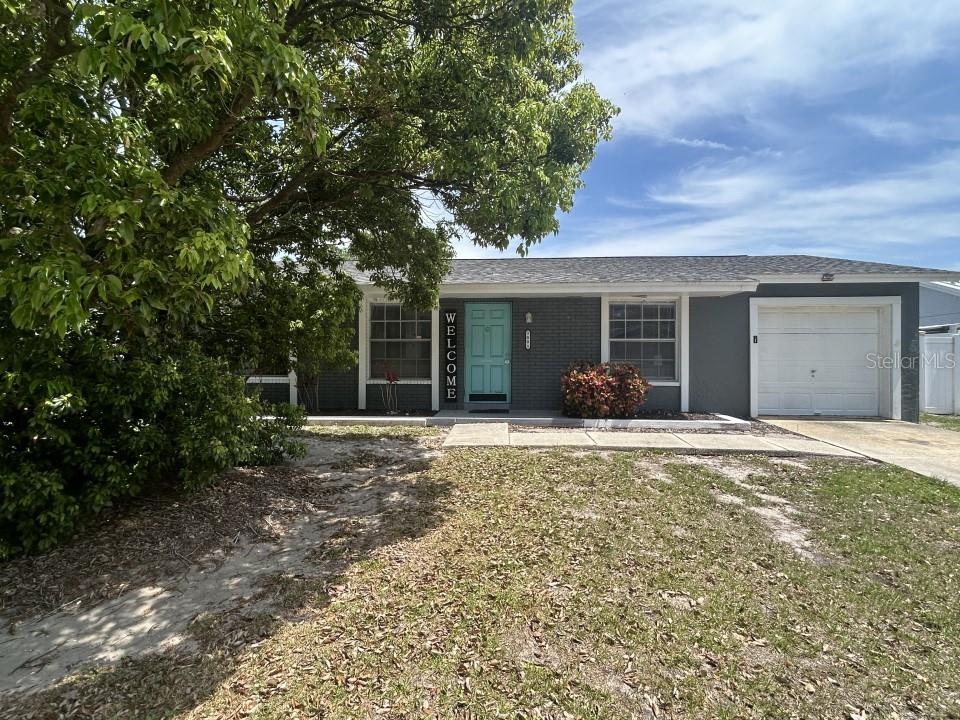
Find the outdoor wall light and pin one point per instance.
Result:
(529, 318)
(827, 277)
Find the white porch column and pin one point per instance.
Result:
(685, 353)
(292, 379)
(604, 328)
(362, 350)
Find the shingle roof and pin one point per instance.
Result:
(690, 268)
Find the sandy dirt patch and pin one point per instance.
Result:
(306, 519)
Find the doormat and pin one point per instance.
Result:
(494, 411)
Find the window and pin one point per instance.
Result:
(399, 342)
(645, 335)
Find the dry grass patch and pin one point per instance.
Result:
(368, 432)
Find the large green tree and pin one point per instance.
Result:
(158, 158)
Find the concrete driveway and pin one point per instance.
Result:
(926, 450)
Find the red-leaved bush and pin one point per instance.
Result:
(602, 390)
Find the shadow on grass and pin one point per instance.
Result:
(177, 630)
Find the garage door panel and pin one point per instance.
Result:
(770, 320)
(829, 401)
(802, 401)
(797, 346)
(814, 361)
(862, 403)
(829, 376)
(792, 373)
(827, 321)
(796, 320)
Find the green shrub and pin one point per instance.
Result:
(602, 390)
(276, 434)
(98, 424)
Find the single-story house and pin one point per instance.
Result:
(939, 303)
(740, 335)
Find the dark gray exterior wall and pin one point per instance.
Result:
(720, 343)
(719, 355)
(938, 307)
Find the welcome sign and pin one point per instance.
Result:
(450, 355)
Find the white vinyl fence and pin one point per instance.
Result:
(940, 373)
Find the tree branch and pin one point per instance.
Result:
(187, 159)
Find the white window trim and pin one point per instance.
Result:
(682, 340)
(891, 325)
(363, 355)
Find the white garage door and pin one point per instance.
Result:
(814, 361)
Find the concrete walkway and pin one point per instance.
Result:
(927, 450)
(489, 434)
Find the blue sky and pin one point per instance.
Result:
(772, 127)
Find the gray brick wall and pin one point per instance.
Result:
(410, 398)
(563, 330)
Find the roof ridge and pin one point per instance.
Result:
(618, 257)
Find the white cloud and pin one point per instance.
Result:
(928, 129)
(737, 207)
(697, 143)
(673, 62)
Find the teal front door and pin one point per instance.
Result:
(487, 335)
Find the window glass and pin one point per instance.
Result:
(399, 342)
(645, 334)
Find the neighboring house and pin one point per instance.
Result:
(939, 303)
(741, 335)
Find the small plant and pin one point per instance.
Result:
(388, 392)
(602, 390)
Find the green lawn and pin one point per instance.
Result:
(572, 585)
(947, 422)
